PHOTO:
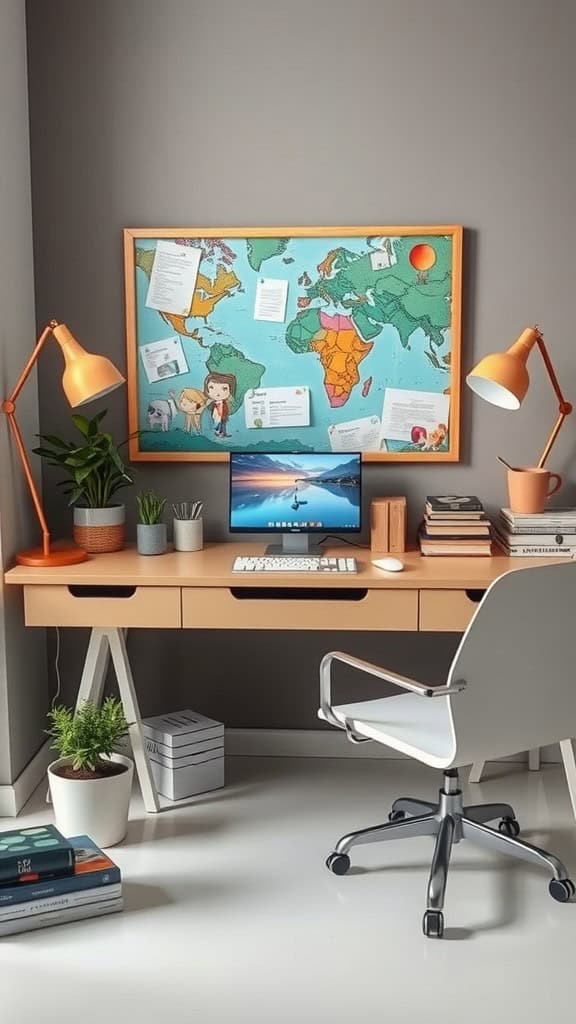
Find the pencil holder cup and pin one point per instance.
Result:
(188, 534)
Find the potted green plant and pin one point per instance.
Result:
(95, 472)
(89, 783)
(152, 536)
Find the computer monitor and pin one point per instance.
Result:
(297, 495)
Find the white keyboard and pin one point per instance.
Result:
(294, 563)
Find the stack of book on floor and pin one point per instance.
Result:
(47, 880)
(552, 532)
(455, 525)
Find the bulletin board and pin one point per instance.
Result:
(294, 340)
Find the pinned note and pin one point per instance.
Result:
(271, 298)
(417, 417)
(277, 407)
(380, 260)
(173, 277)
(162, 359)
(360, 435)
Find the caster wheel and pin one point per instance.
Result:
(338, 863)
(561, 890)
(396, 815)
(433, 924)
(510, 827)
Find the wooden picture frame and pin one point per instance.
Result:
(426, 329)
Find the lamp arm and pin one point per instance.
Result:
(11, 417)
(29, 365)
(564, 407)
(9, 408)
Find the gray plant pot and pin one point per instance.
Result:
(152, 540)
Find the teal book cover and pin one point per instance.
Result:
(92, 869)
(31, 854)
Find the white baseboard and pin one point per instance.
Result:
(14, 796)
(320, 743)
(315, 743)
(299, 743)
(239, 743)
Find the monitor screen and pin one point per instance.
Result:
(295, 493)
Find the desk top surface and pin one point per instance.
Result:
(212, 567)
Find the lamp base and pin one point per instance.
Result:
(59, 554)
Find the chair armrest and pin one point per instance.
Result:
(413, 685)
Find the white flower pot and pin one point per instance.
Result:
(97, 808)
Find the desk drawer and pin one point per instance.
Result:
(448, 610)
(152, 607)
(222, 608)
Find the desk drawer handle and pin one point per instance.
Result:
(90, 591)
(475, 595)
(298, 593)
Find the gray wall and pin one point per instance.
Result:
(23, 684)
(373, 112)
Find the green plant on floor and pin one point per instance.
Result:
(89, 734)
(94, 468)
(150, 508)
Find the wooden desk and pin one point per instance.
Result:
(197, 590)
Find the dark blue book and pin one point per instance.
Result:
(31, 854)
(92, 869)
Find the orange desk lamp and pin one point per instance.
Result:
(86, 377)
(502, 379)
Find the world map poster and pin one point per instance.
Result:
(294, 340)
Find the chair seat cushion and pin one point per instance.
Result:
(418, 726)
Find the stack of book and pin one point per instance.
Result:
(547, 533)
(47, 880)
(455, 525)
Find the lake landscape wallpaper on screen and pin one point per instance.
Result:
(307, 492)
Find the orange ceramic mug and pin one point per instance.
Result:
(529, 488)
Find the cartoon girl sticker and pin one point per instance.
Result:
(191, 402)
(219, 388)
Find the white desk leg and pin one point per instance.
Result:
(132, 711)
(568, 752)
(95, 669)
(476, 771)
(534, 759)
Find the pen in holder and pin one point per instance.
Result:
(188, 526)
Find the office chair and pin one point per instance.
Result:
(509, 687)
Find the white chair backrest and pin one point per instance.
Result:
(517, 657)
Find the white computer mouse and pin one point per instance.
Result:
(388, 564)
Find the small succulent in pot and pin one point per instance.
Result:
(151, 532)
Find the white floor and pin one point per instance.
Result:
(231, 915)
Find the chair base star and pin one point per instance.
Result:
(449, 821)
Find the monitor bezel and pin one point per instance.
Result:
(294, 529)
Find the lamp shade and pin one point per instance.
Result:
(502, 378)
(86, 376)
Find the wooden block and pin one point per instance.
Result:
(397, 524)
(379, 525)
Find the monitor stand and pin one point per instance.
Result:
(294, 544)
